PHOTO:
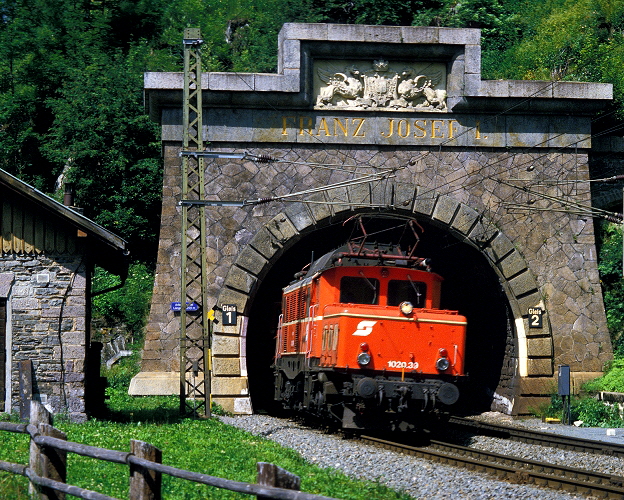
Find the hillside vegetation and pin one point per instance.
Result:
(71, 75)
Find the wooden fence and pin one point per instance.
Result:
(47, 471)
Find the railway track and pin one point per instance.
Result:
(540, 438)
(513, 469)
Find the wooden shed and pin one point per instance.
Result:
(47, 255)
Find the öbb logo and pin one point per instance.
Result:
(364, 328)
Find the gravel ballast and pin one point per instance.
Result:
(421, 478)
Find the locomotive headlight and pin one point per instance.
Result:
(442, 364)
(364, 358)
(406, 307)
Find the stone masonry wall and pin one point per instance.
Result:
(47, 308)
(557, 248)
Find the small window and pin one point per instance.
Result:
(407, 290)
(359, 290)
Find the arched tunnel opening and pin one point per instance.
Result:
(470, 286)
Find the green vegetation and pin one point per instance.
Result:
(587, 409)
(205, 446)
(128, 305)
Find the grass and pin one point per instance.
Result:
(202, 445)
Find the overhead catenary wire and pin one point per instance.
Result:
(437, 188)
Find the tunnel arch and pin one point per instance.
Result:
(510, 284)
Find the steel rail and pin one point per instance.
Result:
(541, 438)
(514, 469)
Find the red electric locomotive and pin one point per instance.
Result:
(361, 340)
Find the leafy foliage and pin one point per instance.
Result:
(128, 305)
(610, 268)
(611, 381)
(590, 411)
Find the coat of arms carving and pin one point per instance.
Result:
(417, 87)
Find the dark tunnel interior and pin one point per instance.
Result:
(470, 286)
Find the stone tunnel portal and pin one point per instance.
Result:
(470, 286)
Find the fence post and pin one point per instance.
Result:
(25, 388)
(272, 475)
(145, 484)
(53, 463)
(38, 415)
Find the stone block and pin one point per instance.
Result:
(229, 296)
(472, 84)
(583, 90)
(494, 88)
(512, 264)
(531, 386)
(223, 345)
(289, 82)
(523, 283)
(300, 216)
(231, 81)
(472, 58)
(282, 228)
(465, 219)
(319, 209)
(359, 194)
(417, 34)
(404, 194)
(304, 31)
(234, 386)
(225, 366)
(577, 379)
(539, 347)
(363, 33)
(481, 233)
(265, 243)
(529, 406)
(251, 260)
(531, 300)
(501, 246)
(460, 36)
(154, 384)
(540, 367)
(240, 279)
(290, 55)
(445, 208)
(424, 201)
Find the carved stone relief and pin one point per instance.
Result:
(359, 85)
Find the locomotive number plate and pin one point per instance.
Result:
(409, 365)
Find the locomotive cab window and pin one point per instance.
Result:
(407, 290)
(359, 290)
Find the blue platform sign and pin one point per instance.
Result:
(190, 306)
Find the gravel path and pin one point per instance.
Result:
(420, 478)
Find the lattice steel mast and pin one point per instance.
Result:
(194, 324)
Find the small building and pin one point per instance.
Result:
(47, 255)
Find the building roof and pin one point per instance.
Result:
(108, 248)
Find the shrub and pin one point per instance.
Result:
(129, 304)
(612, 380)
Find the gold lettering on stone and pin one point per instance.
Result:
(390, 128)
(343, 127)
(305, 125)
(421, 133)
(323, 127)
(435, 128)
(403, 128)
(359, 122)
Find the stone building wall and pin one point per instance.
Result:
(46, 299)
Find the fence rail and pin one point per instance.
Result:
(47, 469)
